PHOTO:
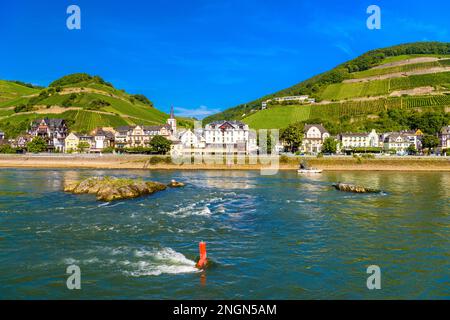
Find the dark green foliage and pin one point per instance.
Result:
(142, 98)
(160, 145)
(329, 146)
(430, 141)
(6, 148)
(78, 78)
(397, 119)
(26, 84)
(293, 136)
(98, 104)
(69, 101)
(23, 108)
(411, 150)
(108, 150)
(367, 150)
(37, 145)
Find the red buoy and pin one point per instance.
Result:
(201, 264)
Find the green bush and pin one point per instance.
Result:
(37, 145)
(108, 150)
(6, 148)
(23, 108)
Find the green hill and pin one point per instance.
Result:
(84, 101)
(355, 94)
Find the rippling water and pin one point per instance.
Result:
(271, 237)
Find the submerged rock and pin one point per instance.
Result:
(354, 188)
(175, 184)
(110, 188)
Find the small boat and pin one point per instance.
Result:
(309, 171)
(305, 169)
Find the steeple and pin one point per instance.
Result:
(172, 121)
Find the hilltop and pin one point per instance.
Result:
(84, 101)
(361, 93)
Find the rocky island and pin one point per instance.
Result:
(111, 188)
(354, 188)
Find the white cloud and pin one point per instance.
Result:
(199, 113)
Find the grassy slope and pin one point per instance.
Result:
(10, 90)
(122, 109)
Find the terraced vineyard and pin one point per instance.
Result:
(423, 80)
(275, 117)
(342, 91)
(280, 117)
(87, 121)
(397, 69)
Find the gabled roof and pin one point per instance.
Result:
(52, 123)
(107, 134)
(125, 128)
(232, 123)
(156, 128)
(393, 137)
(318, 126)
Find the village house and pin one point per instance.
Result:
(301, 99)
(74, 142)
(21, 141)
(191, 140)
(230, 137)
(398, 142)
(102, 138)
(444, 138)
(71, 142)
(413, 137)
(314, 136)
(53, 131)
(351, 141)
(140, 135)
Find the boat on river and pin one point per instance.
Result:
(305, 169)
(309, 171)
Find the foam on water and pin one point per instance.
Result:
(163, 261)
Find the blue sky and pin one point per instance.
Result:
(203, 56)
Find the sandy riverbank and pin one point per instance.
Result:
(144, 162)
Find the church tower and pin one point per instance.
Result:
(172, 121)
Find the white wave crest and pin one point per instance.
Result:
(164, 261)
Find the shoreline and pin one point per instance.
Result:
(141, 162)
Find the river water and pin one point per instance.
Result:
(271, 237)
